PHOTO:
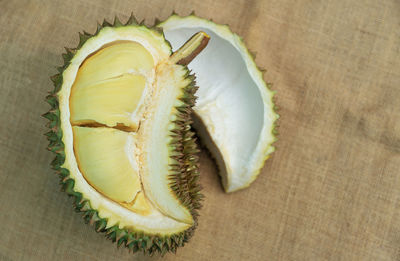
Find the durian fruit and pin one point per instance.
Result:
(120, 128)
(235, 113)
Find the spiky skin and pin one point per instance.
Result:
(184, 174)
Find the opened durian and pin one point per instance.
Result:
(120, 125)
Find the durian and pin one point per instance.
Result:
(120, 128)
(234, 114)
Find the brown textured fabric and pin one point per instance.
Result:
(331, 191)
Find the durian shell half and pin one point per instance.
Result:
(106, 216)
(235, 113)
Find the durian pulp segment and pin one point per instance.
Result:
(234, 103)
(109, 91)
(104, 156)
(110, 84)
(109, 102)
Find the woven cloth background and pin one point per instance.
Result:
(331, 191)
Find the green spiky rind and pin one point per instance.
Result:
(135, 241)
(275, 109)
(185, 169)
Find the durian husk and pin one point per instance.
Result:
(184, 173)
(269, 133)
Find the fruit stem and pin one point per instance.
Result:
(190, 49)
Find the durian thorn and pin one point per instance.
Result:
(190, 49)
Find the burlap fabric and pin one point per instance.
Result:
(331, 191)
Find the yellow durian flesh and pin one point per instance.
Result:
(105, 157)
(114, 59)
(109, 86)
(109, 102)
